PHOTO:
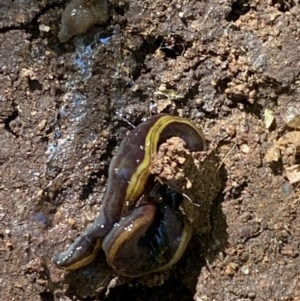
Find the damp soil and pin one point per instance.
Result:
(65, 107)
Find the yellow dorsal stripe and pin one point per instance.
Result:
(136, 185)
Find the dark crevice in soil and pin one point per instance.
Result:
(279, 88)
(173, 287)
(238, 8)
(277, 167)
(31, 27)
(34, 85)
(178, 47)
(174, 51)
(119, 11)
(119, 7)
(151, 45)
(46, 296)
(251, 108)
(192, 92)
(14, 114)
(222, 84)
(236, 192)
(215, 242)
(218, 233)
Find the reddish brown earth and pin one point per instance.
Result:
(64, 108)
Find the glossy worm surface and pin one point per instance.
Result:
(151, 239)
(121, 227)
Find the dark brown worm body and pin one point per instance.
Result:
(129, 179)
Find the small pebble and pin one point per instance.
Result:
(245, 148)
